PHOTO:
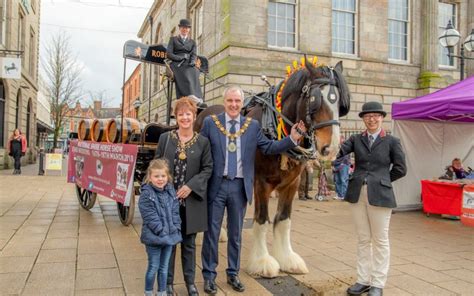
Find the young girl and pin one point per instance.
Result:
(161, 229)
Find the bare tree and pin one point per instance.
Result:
(62, 77)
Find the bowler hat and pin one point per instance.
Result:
(184, 23)
(372, 107)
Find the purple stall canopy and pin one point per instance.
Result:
(453, 103)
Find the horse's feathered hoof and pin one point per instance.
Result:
(265, 266)
(293, 263)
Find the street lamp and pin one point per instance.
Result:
(450, 38)
(137, 105)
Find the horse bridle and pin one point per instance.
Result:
(332, 98)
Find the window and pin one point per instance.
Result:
(17, 110)
(343, 26)
(28, 120)
(32, 57)
(198, 25)
(3, 21)
(2, 114)
(21, 32)
(282, 23)
(446, 12)
(398, 29)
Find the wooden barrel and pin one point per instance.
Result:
(98, 130)
(84, 129)
(131, 125)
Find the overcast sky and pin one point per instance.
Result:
(97, 30)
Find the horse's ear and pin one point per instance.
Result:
(339, 68)
(310, 67)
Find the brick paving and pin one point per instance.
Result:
(50, 246)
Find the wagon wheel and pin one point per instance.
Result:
(86, 198)
(126, 212)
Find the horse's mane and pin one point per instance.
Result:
(344, 94)
(297, 80)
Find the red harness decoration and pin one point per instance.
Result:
(281, 129)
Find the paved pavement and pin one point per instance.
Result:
(50, 246)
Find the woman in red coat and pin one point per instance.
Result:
(17, 149)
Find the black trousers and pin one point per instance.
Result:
(188, 259)
(17, 158)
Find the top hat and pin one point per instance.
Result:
(184, 23)
(372, 107)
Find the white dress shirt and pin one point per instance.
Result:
(375, 135)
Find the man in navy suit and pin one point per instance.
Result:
(234, 140)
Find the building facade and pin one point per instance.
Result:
(19, 31)
(44, 120)
(76, 113)
(389, 48)
(132, 92)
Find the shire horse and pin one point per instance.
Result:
(318, 96)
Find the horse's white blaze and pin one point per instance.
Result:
(335, 138)
(289, 260)
(261, 262)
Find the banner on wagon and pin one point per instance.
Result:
(104, 168)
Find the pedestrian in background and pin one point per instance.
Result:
(305, 181)
(17, 148)
(161, 230)
(340, 169)
(191, 159)
(323, 190)
(379, 161)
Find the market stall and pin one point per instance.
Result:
(433, 130)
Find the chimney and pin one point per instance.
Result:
(97, 105)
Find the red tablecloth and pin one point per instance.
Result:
(441, 197)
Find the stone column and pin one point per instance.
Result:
(470, 26)
(429, 76)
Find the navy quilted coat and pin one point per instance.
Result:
(160, 213)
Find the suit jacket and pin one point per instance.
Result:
(380, 165)
(252, 139)
(177, 49)
(198, 171)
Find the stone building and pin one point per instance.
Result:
(389, 48)
(132, 93)
(19, 31)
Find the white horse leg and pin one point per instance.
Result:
(261, 263)
(289, 261)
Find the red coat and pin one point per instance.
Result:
(23, 145)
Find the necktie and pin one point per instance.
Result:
(232, 158)
(371, 140)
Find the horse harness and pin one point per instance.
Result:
(312, 106)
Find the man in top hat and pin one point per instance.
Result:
(181, 51)
(379, 161)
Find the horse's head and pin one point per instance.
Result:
(319, 97)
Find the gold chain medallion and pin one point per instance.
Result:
(183, 147)
(237, 134)
(232, 147)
